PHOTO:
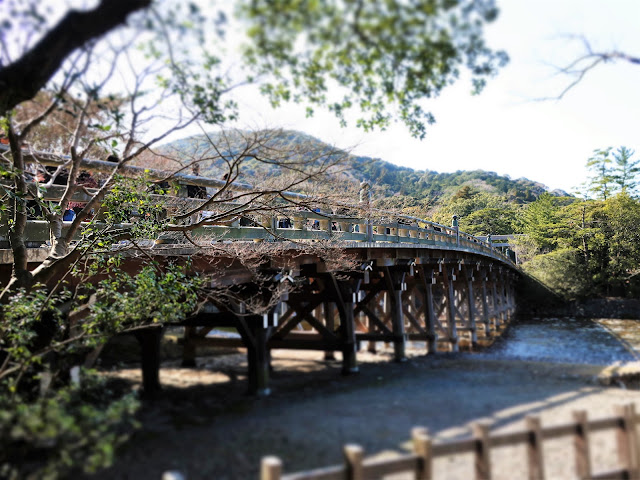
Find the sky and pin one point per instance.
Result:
(508, 129)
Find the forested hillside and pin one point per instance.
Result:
(422, 192)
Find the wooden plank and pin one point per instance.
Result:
(581, 445)
(509, 438)
(603, 424)
(413, 321)
(217, 342)
(336, 472)
(535, 458)
(321, 345)
(458, 446)
(379, 467)
(420, 337)
(377, 322)
(375, 337)
(618, 474)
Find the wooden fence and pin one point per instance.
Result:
(357, 467)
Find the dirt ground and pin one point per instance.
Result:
(206, 427)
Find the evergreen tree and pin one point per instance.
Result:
(625, 169)
(600, 183)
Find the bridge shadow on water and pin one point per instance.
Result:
(204, 424)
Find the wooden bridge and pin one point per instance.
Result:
(407, 280)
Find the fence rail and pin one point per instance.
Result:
(420, 463)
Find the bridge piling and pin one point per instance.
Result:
(394, 280)
(344, 299)
(471, 307)
(149, 340)
(329, 311)
(449, 277)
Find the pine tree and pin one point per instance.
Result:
(625, 170)
(600, 183)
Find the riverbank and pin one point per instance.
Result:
(211, 430)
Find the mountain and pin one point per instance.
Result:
(390, 180)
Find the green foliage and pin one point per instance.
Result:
(380, 53)
(131, 198)
(601, 180)
(602, 236)
(541, 221)
(490, 221)
(562, 271)
(151, 296)
(50, 429)
(70, 429)
(625, 170)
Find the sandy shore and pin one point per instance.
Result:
(211, 430)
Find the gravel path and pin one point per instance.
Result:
(213, 431)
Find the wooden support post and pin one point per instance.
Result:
(270, 468)
(353, 457)
(451, 309)
(258, 359)
(482, 448)
(581, 445)
(397, 322)
(534, 448)
(627, 439)
(494, 301)
(485, 307)
(429, 314)
(149, 339)
(394, 281)
(343, 294)
(349, 349)
(503, 299)
(422, 448)
(329, 319)
(471, 309)
(188, 348)
(371, 346)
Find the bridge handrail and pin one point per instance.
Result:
(372, 228)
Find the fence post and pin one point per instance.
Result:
(581, 445)
(633, 429)
(626, 439)
(270, 468)
(173, 475)
(422, 448)
(353, 456)
(534, 448)
(482, 458)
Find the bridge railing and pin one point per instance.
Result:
(370, 227)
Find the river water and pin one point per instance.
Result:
(595, 341)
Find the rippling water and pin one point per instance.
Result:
(571, 340)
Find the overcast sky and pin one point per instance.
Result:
(506, 129)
